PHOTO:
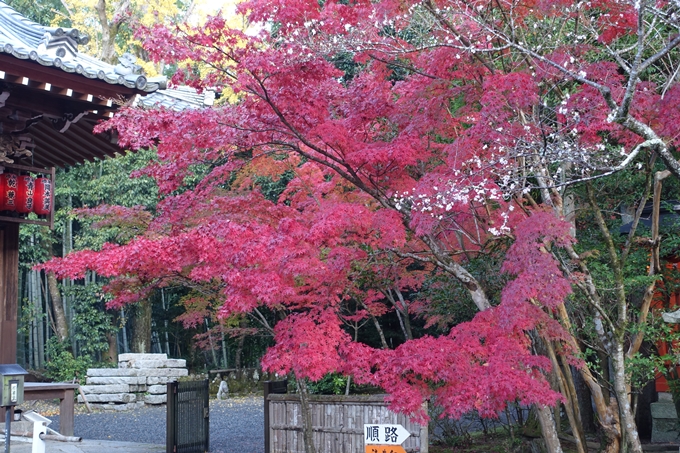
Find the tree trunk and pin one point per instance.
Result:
(238, 360)
(57, 307)
(165, 323)
(548, 429)
(627, 417)
(109, 29)
(584, 402)
(566, 387)
(124, 323)
(141, 327)
(383, 341)
(305, 409)
(111, 355)
(225, 362)
(606, 408)
(401, 308)
(35, 298)
(213, 354)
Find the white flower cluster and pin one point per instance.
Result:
(452, 193)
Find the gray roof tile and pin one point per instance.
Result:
(179, 98)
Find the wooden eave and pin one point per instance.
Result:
(36, 72)
(42, 101)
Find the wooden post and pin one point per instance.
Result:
(9, 283)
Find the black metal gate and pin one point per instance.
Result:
(271, 387)
(188, 417)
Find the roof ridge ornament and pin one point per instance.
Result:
(73, 33)
(128, 65)
(62, 42)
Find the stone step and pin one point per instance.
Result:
(111, 388)
(109, 398)
(157, 389)
(155, 399)
(664, 422)
(162, 372)
(113, 380)
(168, 363)
(118, 407)
(112, 372)
(159, 380)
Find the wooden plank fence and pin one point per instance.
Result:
(338, 423)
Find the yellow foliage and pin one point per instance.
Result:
(148, 68)
(84, 17)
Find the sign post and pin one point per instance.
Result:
(385, 438)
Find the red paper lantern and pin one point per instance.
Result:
(42, 199)
(25, 190)
(8, 183)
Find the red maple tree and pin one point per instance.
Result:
(457, 129)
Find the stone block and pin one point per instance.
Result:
(112, 388)
(20, 428)
(109, 398)
(176, 363)
(665, 427)
(156, 380)
(169, 363)
(133, 356)
(165, 372)
(110, 372)
(663, 410)
(118, 407)
(147, 363)
(138, 388)
(158, 389)
(665, 397)
(155, 399)
(129, 380)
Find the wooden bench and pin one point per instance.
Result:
(49, 391)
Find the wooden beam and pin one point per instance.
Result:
(20, 220)
(40, 101)
(87, 136)
(59, 148)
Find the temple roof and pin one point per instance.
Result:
(52, 95)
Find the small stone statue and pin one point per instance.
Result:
(223, 391)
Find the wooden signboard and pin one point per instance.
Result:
(385, 449)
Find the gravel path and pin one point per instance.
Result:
(236, 425)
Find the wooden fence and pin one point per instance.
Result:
(338, 423)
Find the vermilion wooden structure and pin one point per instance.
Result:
(51, 97)
(663, 302)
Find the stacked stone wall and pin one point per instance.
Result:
(139, 379)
